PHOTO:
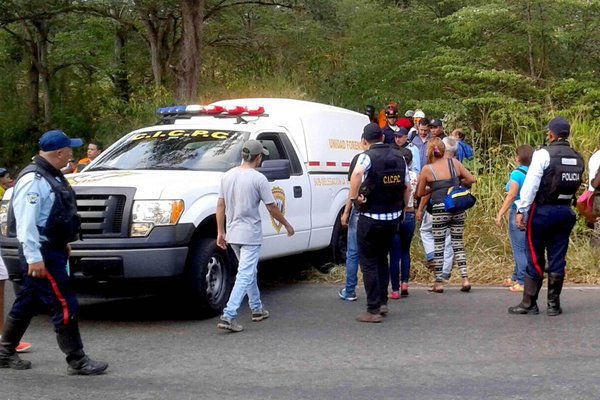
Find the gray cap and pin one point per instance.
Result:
(409, 113)
(253, 148)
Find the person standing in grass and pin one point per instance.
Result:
(435, 180)
(242, 190)
(518, 241)
(544, 213)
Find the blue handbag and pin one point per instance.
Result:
(459, 198)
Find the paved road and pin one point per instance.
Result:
(450, 346)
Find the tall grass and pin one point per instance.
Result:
(488, 248)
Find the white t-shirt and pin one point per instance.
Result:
(593, 165)
(243, 189)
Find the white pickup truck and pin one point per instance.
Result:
(147, 204)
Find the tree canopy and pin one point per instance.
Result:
(97, 68)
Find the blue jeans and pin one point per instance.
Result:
(518, 242)
(352, 254)
(245, 280)
(400, 252)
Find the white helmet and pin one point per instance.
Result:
(419, 114)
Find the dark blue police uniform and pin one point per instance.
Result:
(553, 178)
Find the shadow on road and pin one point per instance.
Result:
(173, 306)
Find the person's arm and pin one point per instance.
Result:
(346, 213)
(465, 175)
(276, 213)
(27, 204)
(221, 242)
(539, 162)
(423, 193)
(69, 168)
(596, 180)
(513, 191)
(363, 163)
(423, 181)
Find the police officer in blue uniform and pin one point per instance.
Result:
(43, 216)
(381, 198)
(544, 212)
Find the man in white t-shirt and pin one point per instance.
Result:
(242, 190)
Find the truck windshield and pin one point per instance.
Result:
(179, 149)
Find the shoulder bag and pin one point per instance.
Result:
(459, 197)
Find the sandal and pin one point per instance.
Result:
(436, 289)
(466, 286)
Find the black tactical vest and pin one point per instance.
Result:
(63, 224)
(384, 185)
(564, 174)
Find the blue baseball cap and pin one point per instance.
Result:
(560, 126)
(56, 139)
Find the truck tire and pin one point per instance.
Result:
(339, 242)
(211, 275)
(334, 254)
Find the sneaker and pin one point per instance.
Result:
(23, 347)
(229, 324)
(517, 287)
(404, 289)
(259, 315)
(395, 295)
(369, 318)
(347, 296)
(87, 366)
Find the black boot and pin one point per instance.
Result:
(530, 294)
(14, 330)
(555, 284)
(69, 341)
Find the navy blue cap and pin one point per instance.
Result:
(436, 122)
(560, 126)
(401, 132)
(371, 132)
(56, 139)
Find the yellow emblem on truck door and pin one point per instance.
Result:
(279, 195)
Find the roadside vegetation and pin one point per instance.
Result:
(499, 69)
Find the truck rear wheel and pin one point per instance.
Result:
(339, 242)
(211, 276)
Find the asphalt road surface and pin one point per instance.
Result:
(431, 346)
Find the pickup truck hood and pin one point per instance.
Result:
(163, 184)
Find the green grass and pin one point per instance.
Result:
(488, 248)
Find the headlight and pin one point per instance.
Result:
(4, 217)
(150, 213)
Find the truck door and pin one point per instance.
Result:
(293, 197)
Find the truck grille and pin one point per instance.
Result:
(100, 214)
(104, 212)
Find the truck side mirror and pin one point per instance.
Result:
(275, 169)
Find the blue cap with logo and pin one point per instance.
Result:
(56, 139)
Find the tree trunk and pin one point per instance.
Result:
(190, 55)
(41, 61)
(34, 93)
(530, 42)
(121, 79)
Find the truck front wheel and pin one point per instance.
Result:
(211, 276)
